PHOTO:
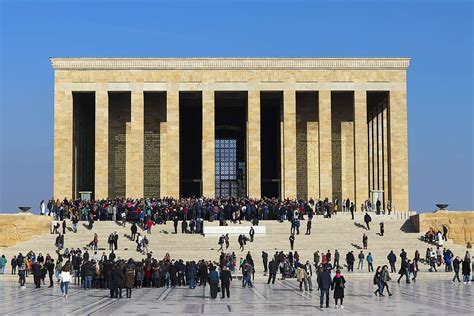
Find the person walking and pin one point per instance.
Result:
(226, 278)
(301, 277)
(403, 271)
(456, 265)
(324, 284)
(378, 281)
(338, 285)
(382, 228)
(352, 209)
(65, 278)
(367, 220)
(385, 279)
(365, 240)
(336, 259)
(292, 240)
(49, 265)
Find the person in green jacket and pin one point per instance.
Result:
(3, 263)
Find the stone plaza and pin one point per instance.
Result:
(216, 127)
(430, 294)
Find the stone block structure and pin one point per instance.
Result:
(276, 127)
(460, 224)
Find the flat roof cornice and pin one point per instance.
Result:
(227, 63)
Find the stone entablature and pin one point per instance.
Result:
(229, 63)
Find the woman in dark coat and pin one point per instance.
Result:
(112, 281)
(338, 285)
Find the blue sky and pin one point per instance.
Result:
(437, 35)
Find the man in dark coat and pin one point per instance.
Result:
(324, 283)
(350, 261)
(392, 258)
(49, 265)
(226, 278)
(133, 230)
(367, 220)
(37, 274)
(265, 261)
(272, 268)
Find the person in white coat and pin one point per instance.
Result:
(65, 278)
(42, 208)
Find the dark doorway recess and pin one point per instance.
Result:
(83, 142)
(270, 133)
(231, 143)
(190, 144)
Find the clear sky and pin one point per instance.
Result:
(437, 35)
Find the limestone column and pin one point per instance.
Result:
(101, 144)
(63, 143)
(208, 144)
(398, 139)
(325, 145)
(172, 143)
(289, 143)
(135, 160)
(361, 162)
(253, 146)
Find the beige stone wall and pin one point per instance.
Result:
(325, 145)
(208, 144)
(101, 144)
(16, 228)
(460, 224)
(289, 143)
(253, 145)
(360, 148)
(398, 141)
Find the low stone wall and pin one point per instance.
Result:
(15, 228)
(460, 224)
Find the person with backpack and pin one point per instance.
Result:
(367, 220)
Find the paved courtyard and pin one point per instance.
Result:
(426, 296)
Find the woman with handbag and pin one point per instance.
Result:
(338, 285)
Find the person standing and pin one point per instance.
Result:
(272, 269)
(65, 278)
(14, 264)
(338, 285)
(350, 261)
(309, 273)
(392, 258)
(21, 274)
(175, 224)
(292, 240)
(370, 261)
(49, 265)
(3, 264)
(365, 240)
(466, 271)
(265, 262)
(251, 233)
(308, 227)
(133, 231)
(361, 260)
(382, 228)
(37, 274)
(336, 259)
(456, 265)
(129, 278)
(352, 209)
(226, 278)
(324, 283)
(115, 240)
(213, 281)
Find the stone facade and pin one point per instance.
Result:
(343, 146)
(460, 224)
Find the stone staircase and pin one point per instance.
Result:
(339, 232)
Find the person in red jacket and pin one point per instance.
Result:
(149, 224)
